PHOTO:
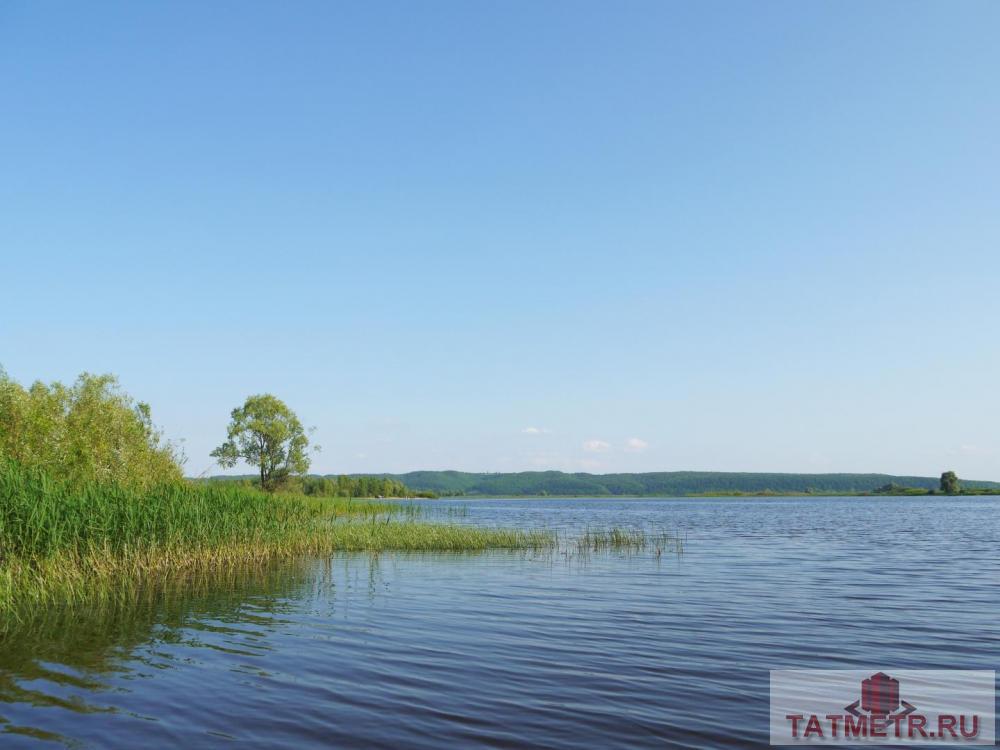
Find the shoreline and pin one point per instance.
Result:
(703, 495)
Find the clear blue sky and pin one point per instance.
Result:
(502, 236)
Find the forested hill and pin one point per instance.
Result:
(671, 483)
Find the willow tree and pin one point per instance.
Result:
(266, 434)
(85, 432)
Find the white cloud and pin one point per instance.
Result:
(596, 446)
(972, 450)
(535, 431)
(636, 445)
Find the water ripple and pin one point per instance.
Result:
(513, 650)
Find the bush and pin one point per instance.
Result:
(89, 431)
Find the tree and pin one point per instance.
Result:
(265, 433)
(949, 483)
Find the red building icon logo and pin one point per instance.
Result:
(880, 694)
(880, 698)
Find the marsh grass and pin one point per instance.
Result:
(628, 540)
(64, 544)
(60, 542)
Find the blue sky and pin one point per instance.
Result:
(504, 236)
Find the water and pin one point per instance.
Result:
(518, 649)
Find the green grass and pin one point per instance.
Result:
(59, 543)
(77, 544)
(628, 540)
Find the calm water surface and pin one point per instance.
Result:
(516, 649)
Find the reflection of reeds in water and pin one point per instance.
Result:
(77, 645)
(80, 632)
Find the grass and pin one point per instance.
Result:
(628, 540)
(68, 544)
(60, 543)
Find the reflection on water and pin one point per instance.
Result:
(73, 659)
(623, 648)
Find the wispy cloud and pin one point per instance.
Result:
(596, 446)
(535, 431)
(635, 445)
(970, 450)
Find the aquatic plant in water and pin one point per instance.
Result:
(60, 541)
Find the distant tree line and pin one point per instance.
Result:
(335, 486)
(666, 484)
(356, 486)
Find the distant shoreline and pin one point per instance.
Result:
(709, 496)
(649, 484)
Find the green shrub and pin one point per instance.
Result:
(89, 431)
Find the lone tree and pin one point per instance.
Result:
(267, 434)
(949, 483)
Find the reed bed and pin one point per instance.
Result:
(60, 542)
(628, 540)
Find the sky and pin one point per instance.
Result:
(586, 236)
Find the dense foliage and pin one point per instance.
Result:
(345, 486)
(950, 484)
(337, 486)
(89, 431)
(897, 489)
(664, 484)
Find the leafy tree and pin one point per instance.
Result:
(949, 483)
(265, 433)
(88, 431)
